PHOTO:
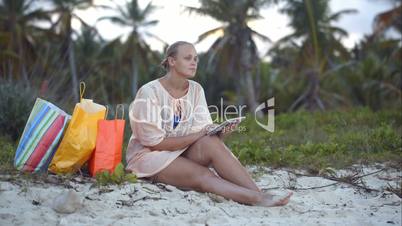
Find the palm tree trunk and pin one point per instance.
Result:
(310, 97)
(23, 69)
(313, 100)
(9, 68)
(239, 95)
(134, 73)
(74, 77)
(104, 92)
(251, 98)
(257, 83)
(245, 68)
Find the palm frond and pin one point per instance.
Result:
(148, 10)
(149, 23)
(387, 19)
(213, 51)
(336, 16)
(115, 19)
(208, 33)
(335, 30)
(156, 37)
(260, 36)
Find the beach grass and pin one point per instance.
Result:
(318, 140)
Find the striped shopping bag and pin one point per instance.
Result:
(41, 137)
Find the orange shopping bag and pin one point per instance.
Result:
(109, 141)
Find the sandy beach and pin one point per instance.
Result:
(27, 202)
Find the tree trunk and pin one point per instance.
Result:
(251, 98)
(245, 68)
(23, 69)
(74, 77)
(103, 90)
(310, 97)
(134, 73)
(313, 100)
(10, 70)
(257, 83)
(239, 94)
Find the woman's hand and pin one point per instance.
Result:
(228, 130)
(204, 131)
(225, 131)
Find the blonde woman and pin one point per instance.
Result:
(169, 119)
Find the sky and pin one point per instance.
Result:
(176, 24)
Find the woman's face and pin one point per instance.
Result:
(185, 62)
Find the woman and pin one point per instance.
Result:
(169, 119)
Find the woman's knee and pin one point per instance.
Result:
(206, 149)
(209, 144)
(202, 145)
(208, 140)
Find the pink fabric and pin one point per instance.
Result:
(151, 120)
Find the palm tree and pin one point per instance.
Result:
(136, 49)
(88, 46)
(320, 44)
(111, 63)
(235, 52)
(389, 19)
(18, 36)
(65, 11)
(376, 78)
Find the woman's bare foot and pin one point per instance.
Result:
(269, 200)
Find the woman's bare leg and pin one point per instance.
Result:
(184, 173)
(211, 150)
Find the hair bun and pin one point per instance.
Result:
(171, 51)
(165, 63)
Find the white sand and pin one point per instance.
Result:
(340, 204)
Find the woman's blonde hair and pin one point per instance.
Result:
(171, 51)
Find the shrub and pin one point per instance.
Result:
(16, 103)
(7, 152)
(117, 177)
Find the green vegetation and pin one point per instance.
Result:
(117, 177)
(15, 105)
(322, 139)
(7, 152)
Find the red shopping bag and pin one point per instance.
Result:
(109, 141)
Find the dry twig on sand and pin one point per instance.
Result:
(354, 180)
(131, 202)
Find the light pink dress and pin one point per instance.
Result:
(151, 120)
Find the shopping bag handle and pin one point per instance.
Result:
(107, 111)
(82, 90)
(122, 111)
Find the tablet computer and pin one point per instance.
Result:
(221, 126)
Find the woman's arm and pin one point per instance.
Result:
(175, 143)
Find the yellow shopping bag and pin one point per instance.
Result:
(80, 138)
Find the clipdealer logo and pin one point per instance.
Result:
(164, 113)
(270, 125)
